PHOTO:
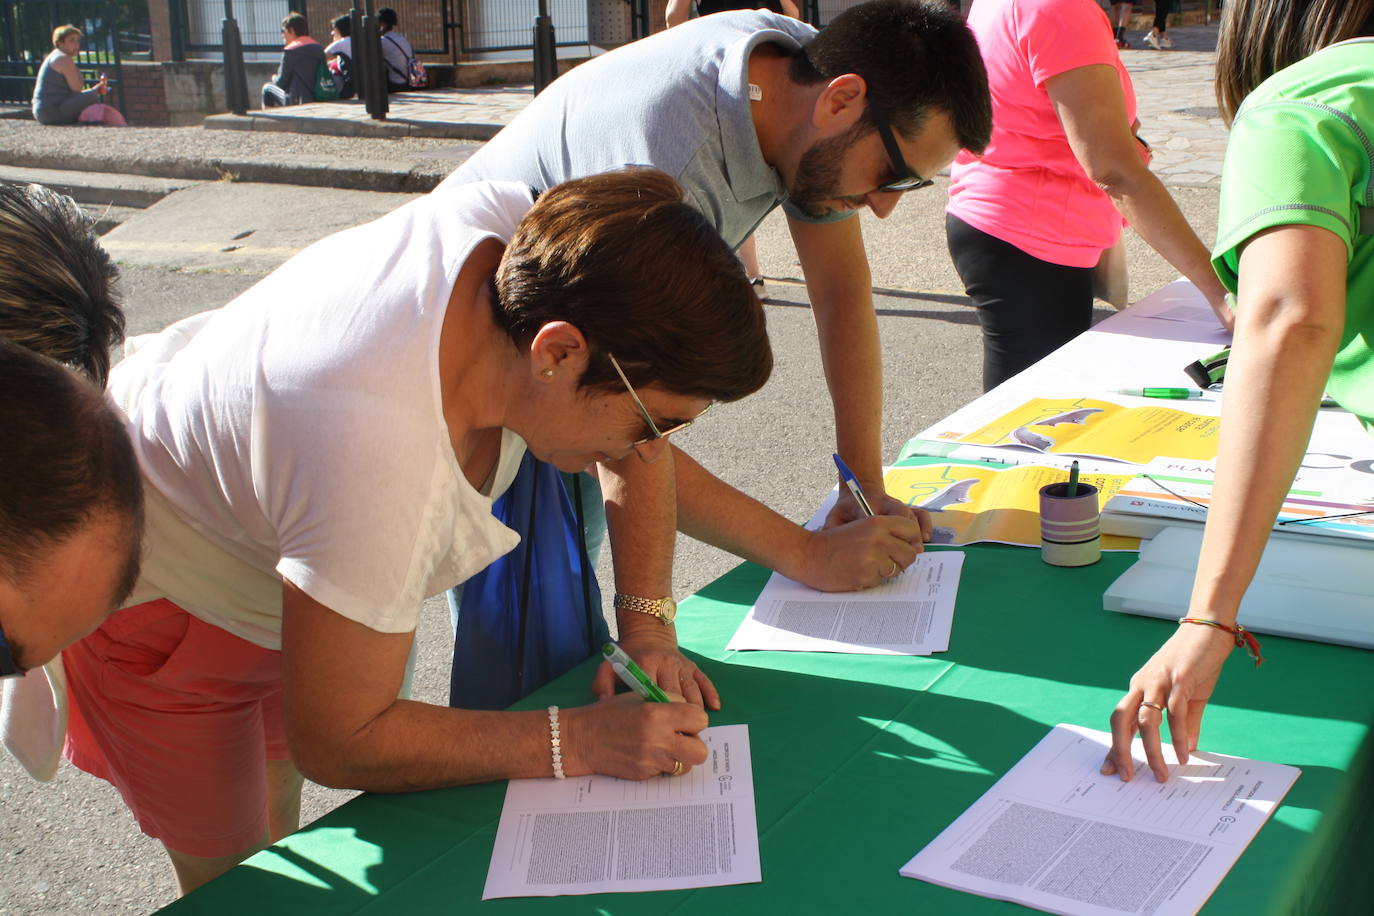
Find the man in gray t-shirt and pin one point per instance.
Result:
(749, 110)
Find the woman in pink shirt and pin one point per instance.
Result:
(1030, 218)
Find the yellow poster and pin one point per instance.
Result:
(969, 503)
(1098, 429)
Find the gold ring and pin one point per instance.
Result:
(1154, 706)
(893, 571)
(677, 768)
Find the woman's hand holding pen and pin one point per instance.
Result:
(625, 736)
(654, 648)
(1179, 677)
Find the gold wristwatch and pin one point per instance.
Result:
(665, 609)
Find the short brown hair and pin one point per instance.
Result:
(641, 274)
(1259, 38)
(63, 32)
(59, 289)
(296, 23)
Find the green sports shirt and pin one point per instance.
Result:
(1302, 152)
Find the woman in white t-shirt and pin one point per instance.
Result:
(321, 454)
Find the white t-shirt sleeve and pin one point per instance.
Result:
(353, 464)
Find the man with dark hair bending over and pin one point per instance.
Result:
(750, 110)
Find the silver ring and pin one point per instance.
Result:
(1154, 706)
(893, 571)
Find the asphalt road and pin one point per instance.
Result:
(70, 846)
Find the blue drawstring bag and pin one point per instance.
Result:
(535, 613)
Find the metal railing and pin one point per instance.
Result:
(485, 26)
(196, 23)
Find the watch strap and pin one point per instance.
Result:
(654, 607)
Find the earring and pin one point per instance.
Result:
(547, 373)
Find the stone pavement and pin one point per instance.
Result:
(1178, 107)
(460, 114)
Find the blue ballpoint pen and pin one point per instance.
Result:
(853, 483)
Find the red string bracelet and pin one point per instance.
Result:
(1244, 638)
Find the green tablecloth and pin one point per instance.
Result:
(860, 760)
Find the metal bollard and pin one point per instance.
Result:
(235, 75)
(372, 67)
(545, 55)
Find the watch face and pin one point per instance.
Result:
(669, 610)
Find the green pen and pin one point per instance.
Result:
(629, 672)
(1173, 394)
(1073, 480)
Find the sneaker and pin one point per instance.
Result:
(1122, 44)
(1165, 40)
(760, 289)
(1152, 39)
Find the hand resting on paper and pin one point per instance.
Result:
(1180, 676)
(627, 737)
(654, 648)
(859, 554)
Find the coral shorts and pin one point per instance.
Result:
(181, 717)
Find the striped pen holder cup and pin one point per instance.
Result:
(1069, 531)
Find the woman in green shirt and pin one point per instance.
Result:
(1295, 244)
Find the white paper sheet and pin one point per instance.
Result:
(599, 834)
(1056, 835)
(910, 614)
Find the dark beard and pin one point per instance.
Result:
(818, 173)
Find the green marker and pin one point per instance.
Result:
(629, 672)
(1172, 394)
(1073, 480)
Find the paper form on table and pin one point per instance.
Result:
(909, 614)
(599, 834)
(1056, 835)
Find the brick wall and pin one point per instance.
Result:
(145, 94)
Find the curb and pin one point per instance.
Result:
(340, 127)
(240, 170)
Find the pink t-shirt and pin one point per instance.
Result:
(1027, 188)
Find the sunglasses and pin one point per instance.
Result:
(656, 433)
(907, 179)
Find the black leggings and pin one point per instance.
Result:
(1162, 8)
(1027, 307)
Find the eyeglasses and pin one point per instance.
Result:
(8, 666)
(907, 179)
(653, 428)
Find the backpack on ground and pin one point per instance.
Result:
(326, 86)
(415, 76)
(342, 65)
(415, 73)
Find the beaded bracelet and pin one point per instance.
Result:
(1243, 637)
(555, 743)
